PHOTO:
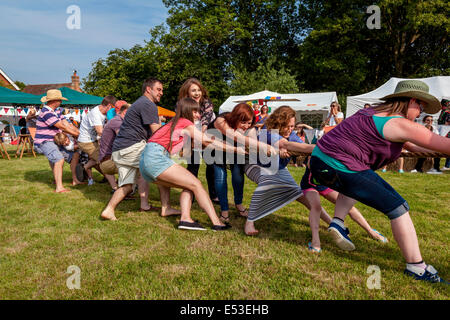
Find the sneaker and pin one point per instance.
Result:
(384, 170)
(445, 169)
(429, 274)
(190, 225)
(90, 182)
(413, 171)
(401, 171)
(340, 237)
(221, 228)
(434, 171)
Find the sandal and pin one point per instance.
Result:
(224, 219)
(243, 213)
(312, 249)
(384, 240)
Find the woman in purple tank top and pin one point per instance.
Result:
(345, 160)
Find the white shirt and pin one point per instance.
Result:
(87, 126)
(332, 122)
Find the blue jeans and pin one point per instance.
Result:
(364, 186)
(237, 180)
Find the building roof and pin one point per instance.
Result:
(39, 89)
(5, 76)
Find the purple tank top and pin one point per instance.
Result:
(356, 143)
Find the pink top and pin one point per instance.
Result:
(162, 135)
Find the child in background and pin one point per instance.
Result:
(67, 142)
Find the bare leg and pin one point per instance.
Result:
(356, 215)
(166, 209)
(186, 197)
(179, 177)
(343, 206)
(323, 215)
(57, 174)
(73, 168)
(313, 198)
(117, 197)
(143, 193)
(406, 237)
(111, 179)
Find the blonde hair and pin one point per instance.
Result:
(60, 138)
(393, 106)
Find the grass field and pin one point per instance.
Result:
(144, 256)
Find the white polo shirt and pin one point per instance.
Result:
(88, 123)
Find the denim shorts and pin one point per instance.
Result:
(53, 152)
(154, 160)
(364, 186)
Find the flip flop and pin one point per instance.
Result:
(224, 219)
(243, 211)
(384, 240)
(63, 191)
(152, 208)
(312, 249)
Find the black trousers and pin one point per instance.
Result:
(420, 162)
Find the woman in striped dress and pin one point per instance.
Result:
(276, 187)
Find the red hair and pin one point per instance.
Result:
(241, 112)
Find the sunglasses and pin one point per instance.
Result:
(420, 105)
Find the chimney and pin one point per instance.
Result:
(76, 82)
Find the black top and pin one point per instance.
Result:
(136, 124)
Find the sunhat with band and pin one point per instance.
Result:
(416, 89)
(52, 94)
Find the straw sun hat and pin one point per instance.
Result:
(416, 89)
(52, 94)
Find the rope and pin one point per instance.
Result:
(403, 154)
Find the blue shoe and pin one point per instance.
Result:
(429, 274)
(340, 237)
(383, 170)
(401, 171)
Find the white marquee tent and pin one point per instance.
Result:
(302, 103)
(439, 87)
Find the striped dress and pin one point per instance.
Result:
(275, 188)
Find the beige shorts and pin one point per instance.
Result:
(91, 148)
(108, 167)
(127, 162)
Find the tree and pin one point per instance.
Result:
(269, 76)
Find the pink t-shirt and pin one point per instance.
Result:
(162, 135)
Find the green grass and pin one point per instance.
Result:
(144, 256)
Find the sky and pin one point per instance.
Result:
(38, 47)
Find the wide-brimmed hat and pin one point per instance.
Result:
(53, 94)
(416, 89)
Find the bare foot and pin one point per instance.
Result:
(61, 190)
(243, 212)
(165, 212)
(77, 182)
(108, 215)
(249, 229)
(378, 236)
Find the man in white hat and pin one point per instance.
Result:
(48, 124)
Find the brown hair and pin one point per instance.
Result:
(109, 100)
(184, 90)
(241, 112)
(150, 82)
(393, 106)
(280, 118)
(124, 107)
(60, 138)
(264, 106)
(185, 109)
